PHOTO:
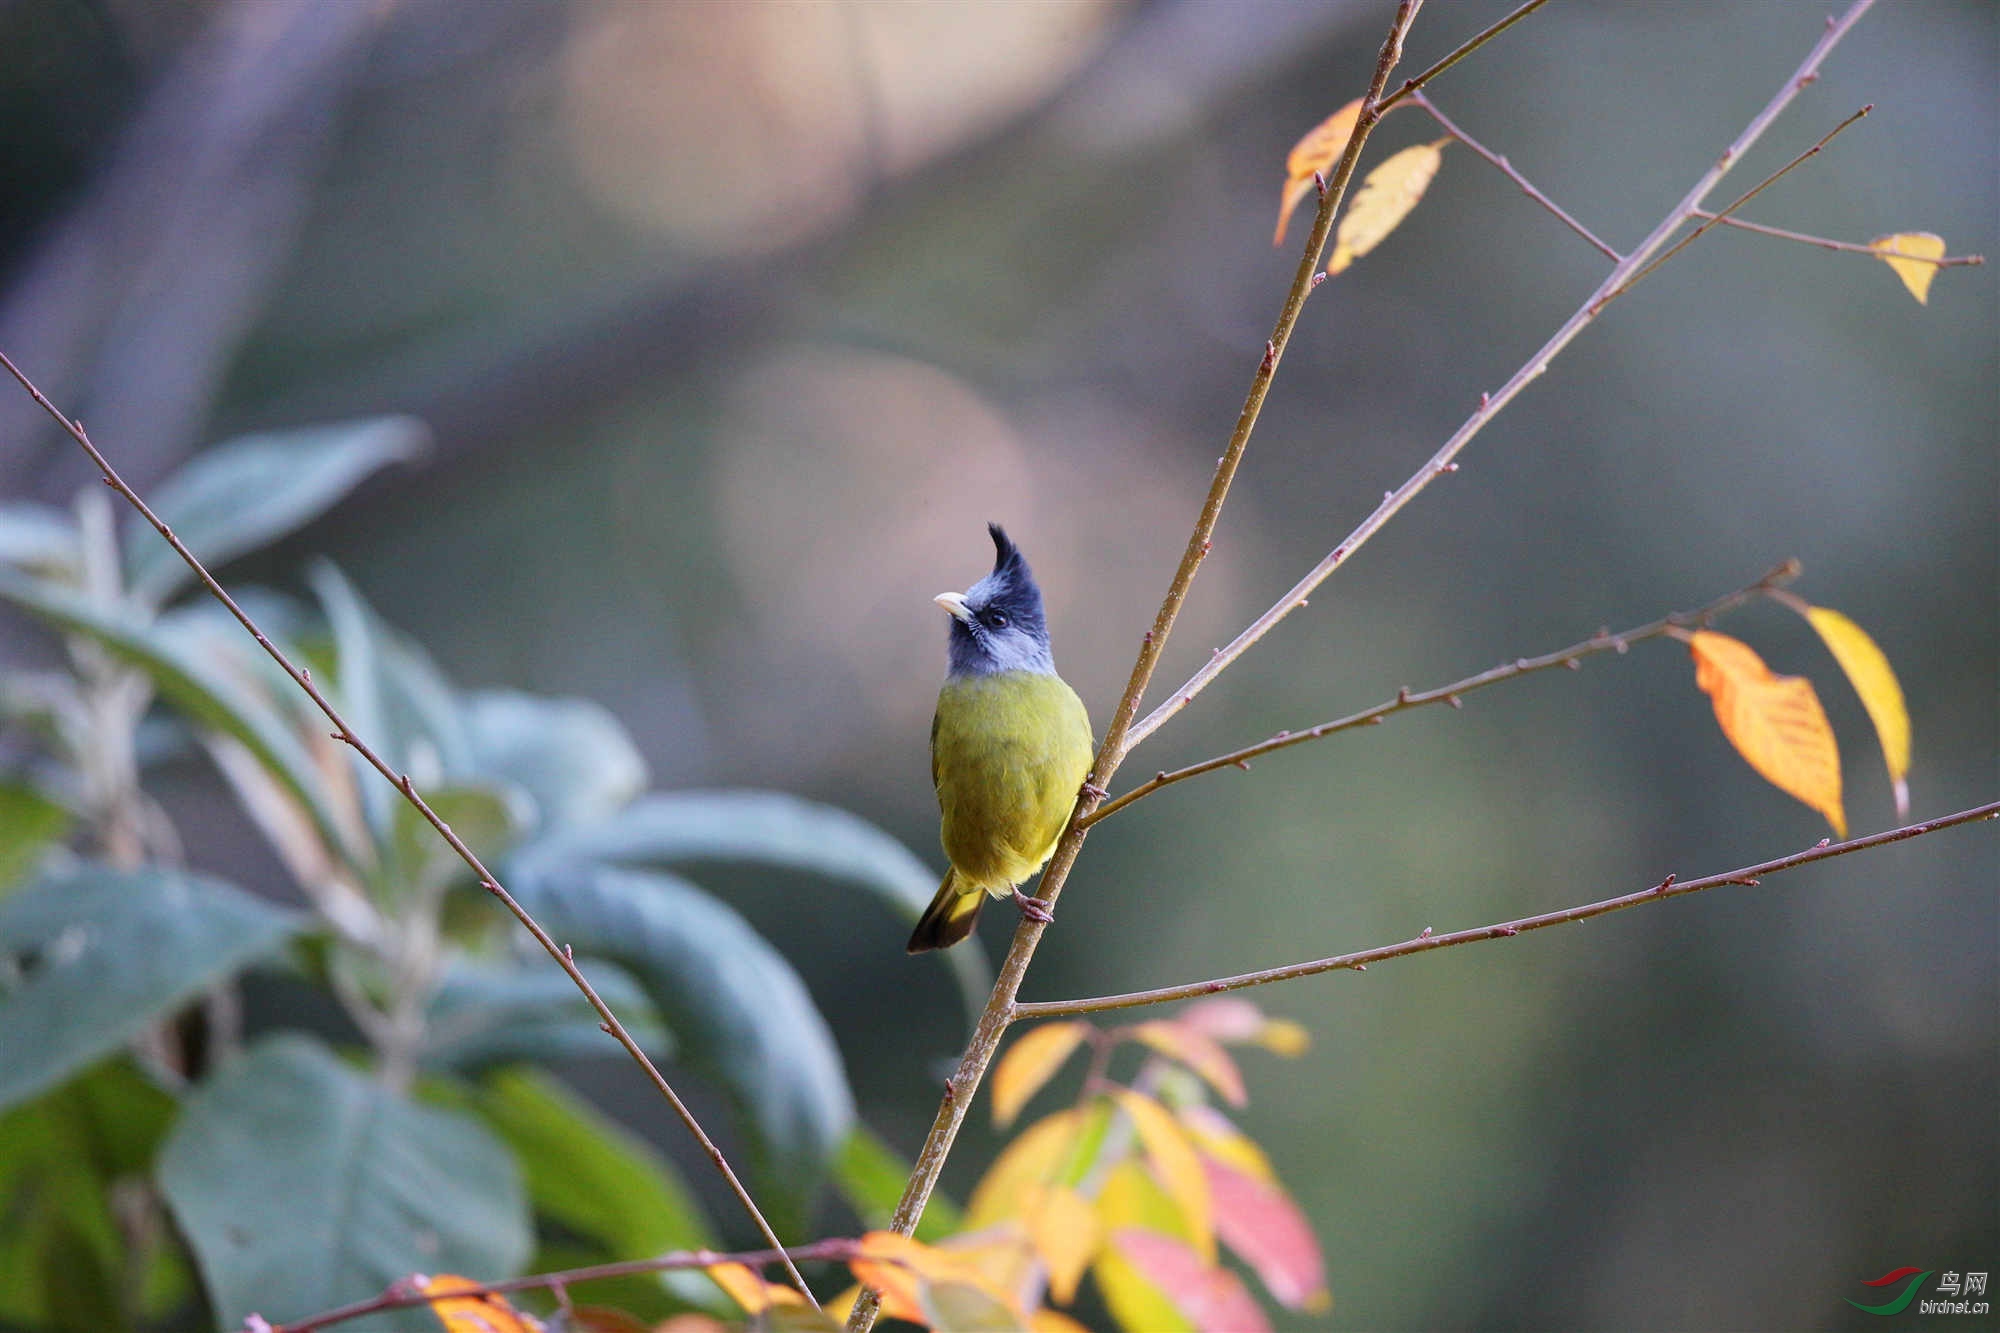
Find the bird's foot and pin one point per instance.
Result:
(1033, 908)
(1095, 792)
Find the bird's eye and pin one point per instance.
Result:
(995, 620)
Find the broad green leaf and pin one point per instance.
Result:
(481, 1016)
(569, 754)
(30, 823)
(92, 955)
(357, 689)
(487, 820)
(302, 1183)
(738, 1010)
(870, 1176)
(39, 538)
(254, 489)
(187, 682)
(769, 828)
(960, 1307)
(60, 1155)
(1874, 680)
(424, 710)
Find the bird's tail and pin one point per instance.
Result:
(949, 918)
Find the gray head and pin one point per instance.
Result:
(996, 624)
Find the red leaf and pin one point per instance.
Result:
(1265, 1228)
(1212, 1298)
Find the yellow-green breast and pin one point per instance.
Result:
(1008, 752)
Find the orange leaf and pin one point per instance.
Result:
(900, 1268)
(1384, 200)
(749, 1290)
(1177, 1164)
(1033, 1158)
(1066, 1234)
(1910, 253)
(1775, 722)
(1029, 1063)
(1053, 1321)
(1874, 680)
(486, 1313)
(1315, 153)
(1216, 1138)
(1198, 1051)
(1209, 1297)
(1261, 1223)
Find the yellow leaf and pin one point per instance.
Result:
(1284, 1036)
(1215, 1137)
(1053, 1321)
(901, 1268)
(1177, 1164)
(1775, 722)
(1032, 1159)
(1868, 671)
(1198, 1051)
(1063, 1227)
(487, 1313)
(1384, 200)
(1316, 153)
(750, 1291)
(1029, 1063)
(1129, 1198)
(1910, 253)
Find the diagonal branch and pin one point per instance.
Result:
(1507, 169)
(1464, 49)
(1425, 942)
(1571, 657)
(1490, 404)
(401, 781)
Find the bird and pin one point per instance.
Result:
(1010, 748)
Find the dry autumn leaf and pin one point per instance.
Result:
(1029, 1063)
(1869, 672)
(1313, 155)
(1775, 722)
(1176, 1163)
(1910, 253)
(1383, 201)
(485, 1313)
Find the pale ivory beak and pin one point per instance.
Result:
(954, 602)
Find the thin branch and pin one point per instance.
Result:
(1490, 404)
(978, 1054)
(1464, 49)
(1846, 247)
(1602, 642)
(1507, 168)
(402, 783)
(1424, 943)
(402, 1297)
(1714, 218)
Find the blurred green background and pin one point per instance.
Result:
(735, 323)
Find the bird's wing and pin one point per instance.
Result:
(934, 766)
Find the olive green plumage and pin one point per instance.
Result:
(1010, 746)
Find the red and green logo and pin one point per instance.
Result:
(1911, 1278)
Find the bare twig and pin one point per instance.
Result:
(1406, 699)
(1670, 887)
(1459, 53)
(1490, 404)
(403, 1296)
(1507, 168)
(994, 1018)
(1845, 247)
(402, 783)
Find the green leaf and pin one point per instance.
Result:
(39, 538)
(960, 1307)
(59, 1158)
(424, 710)
(29, 824)
(569, 754)
(357, 687)
(739, 1012)
(792, 1319)
(770, 828)
(94, 955)
(486, 820)
(302, 1184)
(870, 1176)
(254, 489)
(483, 1016)
(188, 682)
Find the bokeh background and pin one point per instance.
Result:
(735, 322)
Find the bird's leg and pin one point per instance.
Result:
(1096, 792)
(1032, 908)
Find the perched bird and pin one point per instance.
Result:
(1010, 746)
